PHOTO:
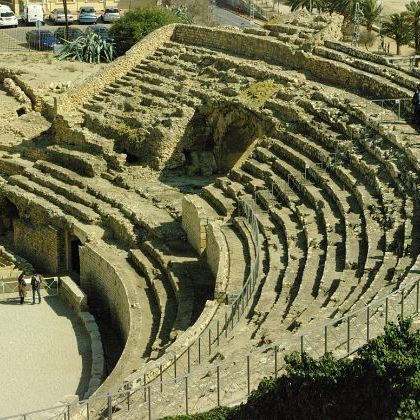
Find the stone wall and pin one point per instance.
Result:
(100, 281)
(71, 294)
(93, 84)
(39, 245)
(278, 52)
(194, 223)
(217, 258)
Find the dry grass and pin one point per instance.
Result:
(257, 94)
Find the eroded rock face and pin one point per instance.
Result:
(14, 90)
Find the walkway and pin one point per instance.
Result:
(44, 354)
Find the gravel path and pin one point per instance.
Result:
(44, 354)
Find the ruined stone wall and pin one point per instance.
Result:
(278, 52)
(101, 282)
(39, 245)
(194, 224)
(217, 258)
(93, 84)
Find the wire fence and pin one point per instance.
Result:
(391, 110)
(25, 39)
(197, 379)
(50, 284)
(231, 381)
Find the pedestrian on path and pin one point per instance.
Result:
(36, 282)
(22, 287)
(416, 105)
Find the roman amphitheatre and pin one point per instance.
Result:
(211, 201)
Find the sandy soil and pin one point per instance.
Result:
(45, 73)
(44, 354)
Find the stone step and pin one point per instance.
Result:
(30, 203)
(163, 293)
(79, 211)
(62, 182)
(84, 164)
(176, 268)
(239, 260)
(367, 62)
(11, 164)
(224, 205)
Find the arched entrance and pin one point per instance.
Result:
(74, 256)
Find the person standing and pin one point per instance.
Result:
(22, 287)
(416, 106)
(36, 287)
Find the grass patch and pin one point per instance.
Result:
(257, 94)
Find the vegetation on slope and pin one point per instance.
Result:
(381, 382)
(136, 24)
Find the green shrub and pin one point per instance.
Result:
(90, 48)
(136, 24)
(381, 382)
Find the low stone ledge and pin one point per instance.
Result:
(71, 294)
(218, 259)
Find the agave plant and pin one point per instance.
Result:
(90, 48)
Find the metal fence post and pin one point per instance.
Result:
(386, 310)
(218, 331)
(186, 395)
(87, 411)
(402, 303)
(325, 339)
(209, 341)
(248, 374)
(199, 349)
(188, 359)
(226, 324)
(149, 402)
(161, 378)
(218, 385)
(301, 344)
(348, 335)
(109, 407)
(68, 411)
(367, 322)
(175, 366)
(275, 361)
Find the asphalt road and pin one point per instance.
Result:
(225, 17)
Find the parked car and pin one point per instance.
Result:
(73, 34)
(32, 13)
(7, 17)
(87, 14)
(102, 31)
(58, 16)
(41, 39)
(111, 15)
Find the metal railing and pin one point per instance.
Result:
(232, 380)
(400, 107)
(50, 284)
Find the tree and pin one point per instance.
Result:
(136, 24)
(413, 20)
(371, 10)
(396, 27)
(307, 4)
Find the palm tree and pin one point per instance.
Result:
(413, 19)
(371, 10)
(306, 4)
(396, 27)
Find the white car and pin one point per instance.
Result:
(111, 15)
(58, 16)
(7, 17)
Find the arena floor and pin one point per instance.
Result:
(44, 354)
